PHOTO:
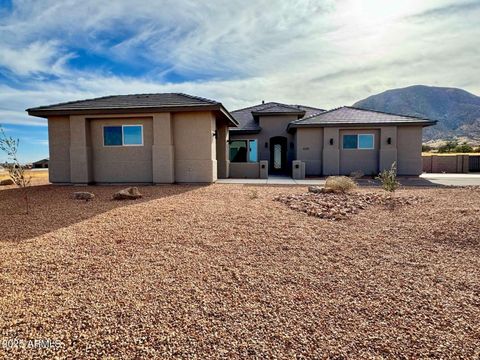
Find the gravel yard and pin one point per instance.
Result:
(226, 271)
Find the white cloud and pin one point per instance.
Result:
(324, 54)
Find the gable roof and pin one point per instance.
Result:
(135, 102)
(246, 120)
(352, 116)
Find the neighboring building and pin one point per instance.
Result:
(339, 141)
(150, 138)
(40, 164)
(166, 138)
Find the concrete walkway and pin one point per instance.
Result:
(422, 180)
(273, 180)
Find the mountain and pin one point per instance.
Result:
(457, 111)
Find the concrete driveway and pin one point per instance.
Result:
(453, 179)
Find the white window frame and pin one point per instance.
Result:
(123, 135)
(358, 142)
(248, 151)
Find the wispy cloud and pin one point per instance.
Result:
(324, 53)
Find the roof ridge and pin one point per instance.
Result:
(249, 107)
(387, 113)
(316, 114)
(194, 97)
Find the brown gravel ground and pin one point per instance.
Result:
(224, 271)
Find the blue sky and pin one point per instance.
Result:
(320, 53)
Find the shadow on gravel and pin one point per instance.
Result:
(404, 182)
(52, 207)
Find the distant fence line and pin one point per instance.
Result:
(451, 163)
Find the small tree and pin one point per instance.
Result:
(388, 178)
(16, 171)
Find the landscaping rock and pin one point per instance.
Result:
(6, 182)
(83, 195)
(130, 193)
(325, 203)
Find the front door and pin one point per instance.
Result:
(278, 155)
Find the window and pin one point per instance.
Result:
(350, 141)
(360, 141)
(365, 141)
(252, 151)
(124, 135)
(243, 151)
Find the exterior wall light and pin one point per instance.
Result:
(331, 141)
(389, 140)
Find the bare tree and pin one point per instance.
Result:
(16, 171)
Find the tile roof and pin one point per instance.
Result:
(351, 116)
(137, 102)
(130, 101)
(247, 122)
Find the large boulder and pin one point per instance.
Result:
(83, 195)
(6, 182)
(130, 193)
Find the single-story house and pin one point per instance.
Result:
(40, 164)
(167, 138)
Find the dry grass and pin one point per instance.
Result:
(39, 177)
(214, 272)
(340, 183)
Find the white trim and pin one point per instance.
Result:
(123, 135)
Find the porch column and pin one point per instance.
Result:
(388, 147)
(80, 151)
(331, 151)
(223, 163)
(163, 149)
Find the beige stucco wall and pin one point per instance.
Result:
(309, 149)
(195, 147)
(178, 147)
(409, 150)
(245, 170)
(59, 148)
(121, 164)
(404, 148)
(359, 159)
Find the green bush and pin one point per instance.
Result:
(388, 178)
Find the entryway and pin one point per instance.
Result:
(278, 155)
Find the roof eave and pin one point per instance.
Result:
(45, 113)
(244, 131)
(399, 123)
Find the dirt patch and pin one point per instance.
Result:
(223, 271)
(338, 206)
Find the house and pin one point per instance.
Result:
(338, 141)
(173, 137)
(40, 164)
(149, 138)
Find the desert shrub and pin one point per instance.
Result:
(463, 148)
(357, 174)
(426, 148)
(15, 170)
(449, 146)
(340, 184)
(388, 178)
